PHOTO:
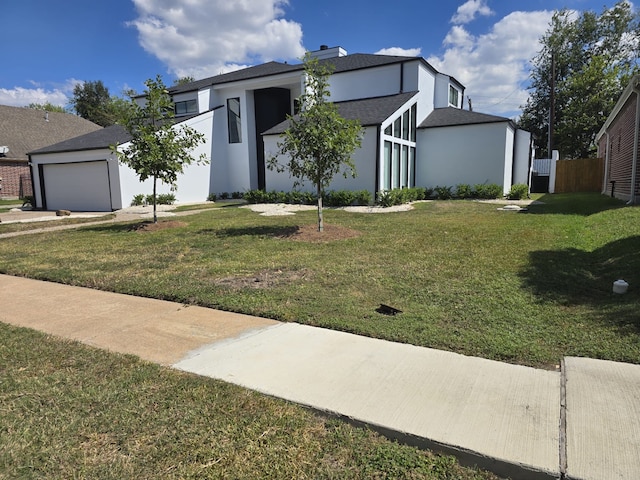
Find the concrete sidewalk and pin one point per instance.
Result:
(581, 423)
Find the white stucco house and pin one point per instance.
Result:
(415, 134)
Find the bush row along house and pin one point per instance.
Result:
(25, 129)
(415, 134)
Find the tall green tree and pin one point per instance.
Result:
(92, 101)
(159, 149)
(319, 142)
(585, 61)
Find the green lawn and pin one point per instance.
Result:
(525, 288)
(521, 287)
(72, 411)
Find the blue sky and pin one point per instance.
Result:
(48, 46)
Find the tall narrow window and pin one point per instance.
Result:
(396, 166)
(414, 114)
(233, 117)
(386, 174)
(404, 167)
(406, 126)
(453, 96)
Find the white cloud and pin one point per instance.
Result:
(494, 67)
(400, 52)
(469, 10)
(201, 38)
(21, 97)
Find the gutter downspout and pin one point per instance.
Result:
(607, 153)
(636, 137)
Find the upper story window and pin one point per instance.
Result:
(233, 119)
(187, 107)
(453, 96)
(404, 127)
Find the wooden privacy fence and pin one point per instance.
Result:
(579, 175)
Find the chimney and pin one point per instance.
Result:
(328, 52)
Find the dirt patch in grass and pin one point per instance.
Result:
(154, 227)
(310, 233)
(264, 279)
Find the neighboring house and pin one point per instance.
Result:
(243, 113)
(618, 143)
(25, 129)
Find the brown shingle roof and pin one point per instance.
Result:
(26, 129)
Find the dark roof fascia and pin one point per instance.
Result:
(98, 140)
(348, 63)
(456, 117)
(104, 138)
(369, 111)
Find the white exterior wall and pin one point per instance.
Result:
(364, 160)
(426, 86)
(509, 149)
(78, 157)
(232, 167)
(522, 156)
(370, 82)
(442, 91)
(204, 100)
(193, 184)
(472, 154)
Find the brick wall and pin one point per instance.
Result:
(621, 138)
(10, 172)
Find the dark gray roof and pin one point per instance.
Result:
(347, 63)
(103, 138)
(450, 116)
(26, 129)
(369, 111)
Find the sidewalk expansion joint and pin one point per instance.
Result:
(562, 437)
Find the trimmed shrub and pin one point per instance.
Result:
(443, 193)
(166, 199)
(362, 197)
(464, 191)
(399, 196)
(487, 191)
(519, 191)
(212, 197)
(138, 200)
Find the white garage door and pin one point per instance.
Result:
(79, 187)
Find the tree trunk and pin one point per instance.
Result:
(320, 219)
(155, 200)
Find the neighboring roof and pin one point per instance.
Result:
(630, 88)
(346, 63)
(369, 111)
(26, 129)
(103, 138)
(450, 116)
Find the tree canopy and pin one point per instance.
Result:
(159, 149)
(584, 63)
(47, 107)
(319, 142)
(91, 100)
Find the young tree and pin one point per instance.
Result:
(586, 59)
(319, 142)
(159, 149)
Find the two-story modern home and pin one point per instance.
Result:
(415, 134)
